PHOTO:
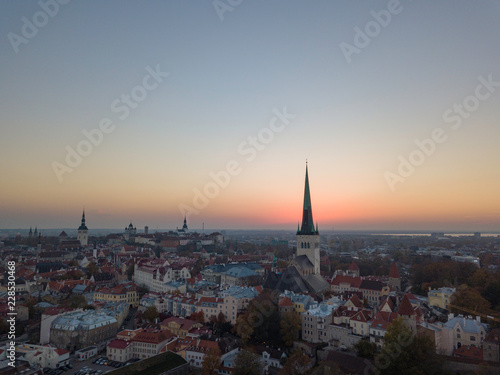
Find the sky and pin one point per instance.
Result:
(149, 111)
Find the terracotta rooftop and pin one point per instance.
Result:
(353, 267)
(286, 302)
(394, 272)
(405, 308)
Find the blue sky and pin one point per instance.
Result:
(226, 77)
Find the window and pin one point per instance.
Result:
(473, 338)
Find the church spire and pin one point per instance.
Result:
(83, 226)
(307, 219)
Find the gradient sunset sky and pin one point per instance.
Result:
(230, 70)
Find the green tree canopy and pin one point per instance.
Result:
(151, 313)
(247, 363)
(211, 362)
(405, 353)
(290, 326)
(469, 298)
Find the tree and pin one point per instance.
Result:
(261, 321)
(289, 327)
(366, 349)
(469, 298)
(211, 362)
(298, 363)
(151, 313)
(247, 363)
(243, 328)
(92, 269)
(405, 353)
(327, 367)
(220, 325)
(198, 316)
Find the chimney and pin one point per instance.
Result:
(478, 319)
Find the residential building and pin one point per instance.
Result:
(360, 323)
(179, 326)
(379, 325)
(195, 351)
(236, 300)
(315, 322)
(44, 355)
(462, 331)
(491, 346)
(126, 292)
(144, 344)
(79, 329)
(440, 297)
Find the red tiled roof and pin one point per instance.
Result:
(362, 316)
(61, 351)
(356, 301)
(285, 302)
(201, 345)
(343, 311)
(405, 308)
(383, 319)
(119, 344)
(394, 272)
(353, 267)
(355, 282)
(469, 351)
(387, 302)
(154, 337)
(493, 336)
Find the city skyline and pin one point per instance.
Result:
(149, 113)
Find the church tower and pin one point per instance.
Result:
(83, 236)
(185, 226)
(307, 235)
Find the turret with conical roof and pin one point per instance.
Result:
(394, 277)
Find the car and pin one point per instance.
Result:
(116, 364)
(69, 366)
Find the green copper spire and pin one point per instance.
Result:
(307, 219)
